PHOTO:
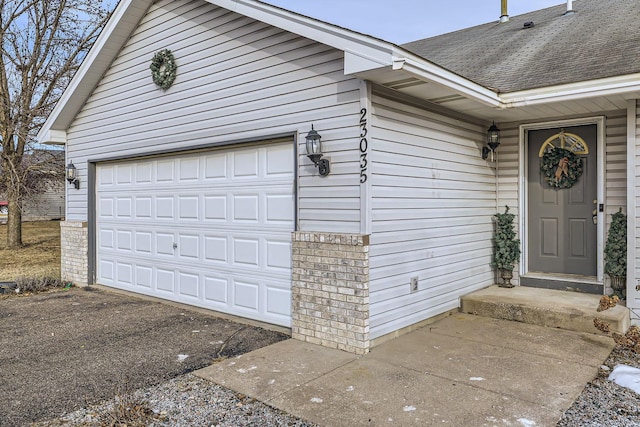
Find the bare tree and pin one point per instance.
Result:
(43, 44)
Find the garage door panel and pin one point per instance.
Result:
(279, 162)
(189, 246)
(246, 252)
(216, 249)
(164, 171)
(165, 280)
(164, 244)
(189, 169)
(124, 273)
(124, 174)
(143, 242)
(144, 276)
(144, 173)
(143, 207)
(107, 271)
(189, 285)
(105, 207)
(245, 294)
(246, 164)
(245, 208)
(164, 208)
(279, 209)
(124, 240)
(278, 256)
(278, 301)
(215, 207)
(188, 207)
(106, 238)
(208, 229)
(216, 289)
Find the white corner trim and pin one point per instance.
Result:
(632, 213)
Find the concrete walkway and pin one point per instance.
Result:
(463, 370)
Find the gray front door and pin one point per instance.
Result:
(562, 233)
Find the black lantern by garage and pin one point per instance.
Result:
(314, 152)
(493, 141)
(72, 176)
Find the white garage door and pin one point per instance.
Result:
(210, 229)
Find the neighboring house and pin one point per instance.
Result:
(203, 193)
(48, 203)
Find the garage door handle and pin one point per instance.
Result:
(175, 246)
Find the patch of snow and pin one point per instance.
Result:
(182, 357)
(526, 423)
(316, 400)
(476, 379)
(605, 368)
(409, 408)
(626, 376)
(244, 371)
(350, 388)
(194, 332)
(272, 382)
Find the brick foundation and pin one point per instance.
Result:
(74, 252)
(330, 290)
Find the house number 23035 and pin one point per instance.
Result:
(364, 146)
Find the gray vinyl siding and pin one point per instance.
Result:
(433, 198)
(238, 80)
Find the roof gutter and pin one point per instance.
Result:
(619, 85)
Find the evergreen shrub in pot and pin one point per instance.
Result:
(615, 254)
(506, 247)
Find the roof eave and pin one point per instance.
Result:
(628, 84)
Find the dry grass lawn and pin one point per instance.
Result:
(40, 256)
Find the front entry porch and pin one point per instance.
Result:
(572, 311)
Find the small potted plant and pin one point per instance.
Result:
(506, 247)
(615, 254)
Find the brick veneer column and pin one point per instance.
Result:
(74, 252)
(330, 295)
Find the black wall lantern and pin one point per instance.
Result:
(493, 141)
(314, 152)
(72, 175)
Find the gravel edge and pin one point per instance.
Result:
(188, 400)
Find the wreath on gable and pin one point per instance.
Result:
(163, 69)
(560, 168)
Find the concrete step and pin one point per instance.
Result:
(573, 311)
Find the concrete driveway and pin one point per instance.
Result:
(60, 351)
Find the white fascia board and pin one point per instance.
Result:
(425, 70)
(53, 137)
(573, 91)
(124, 19)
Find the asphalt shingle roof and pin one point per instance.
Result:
(601, 39)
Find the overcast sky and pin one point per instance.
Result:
(401, 21)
